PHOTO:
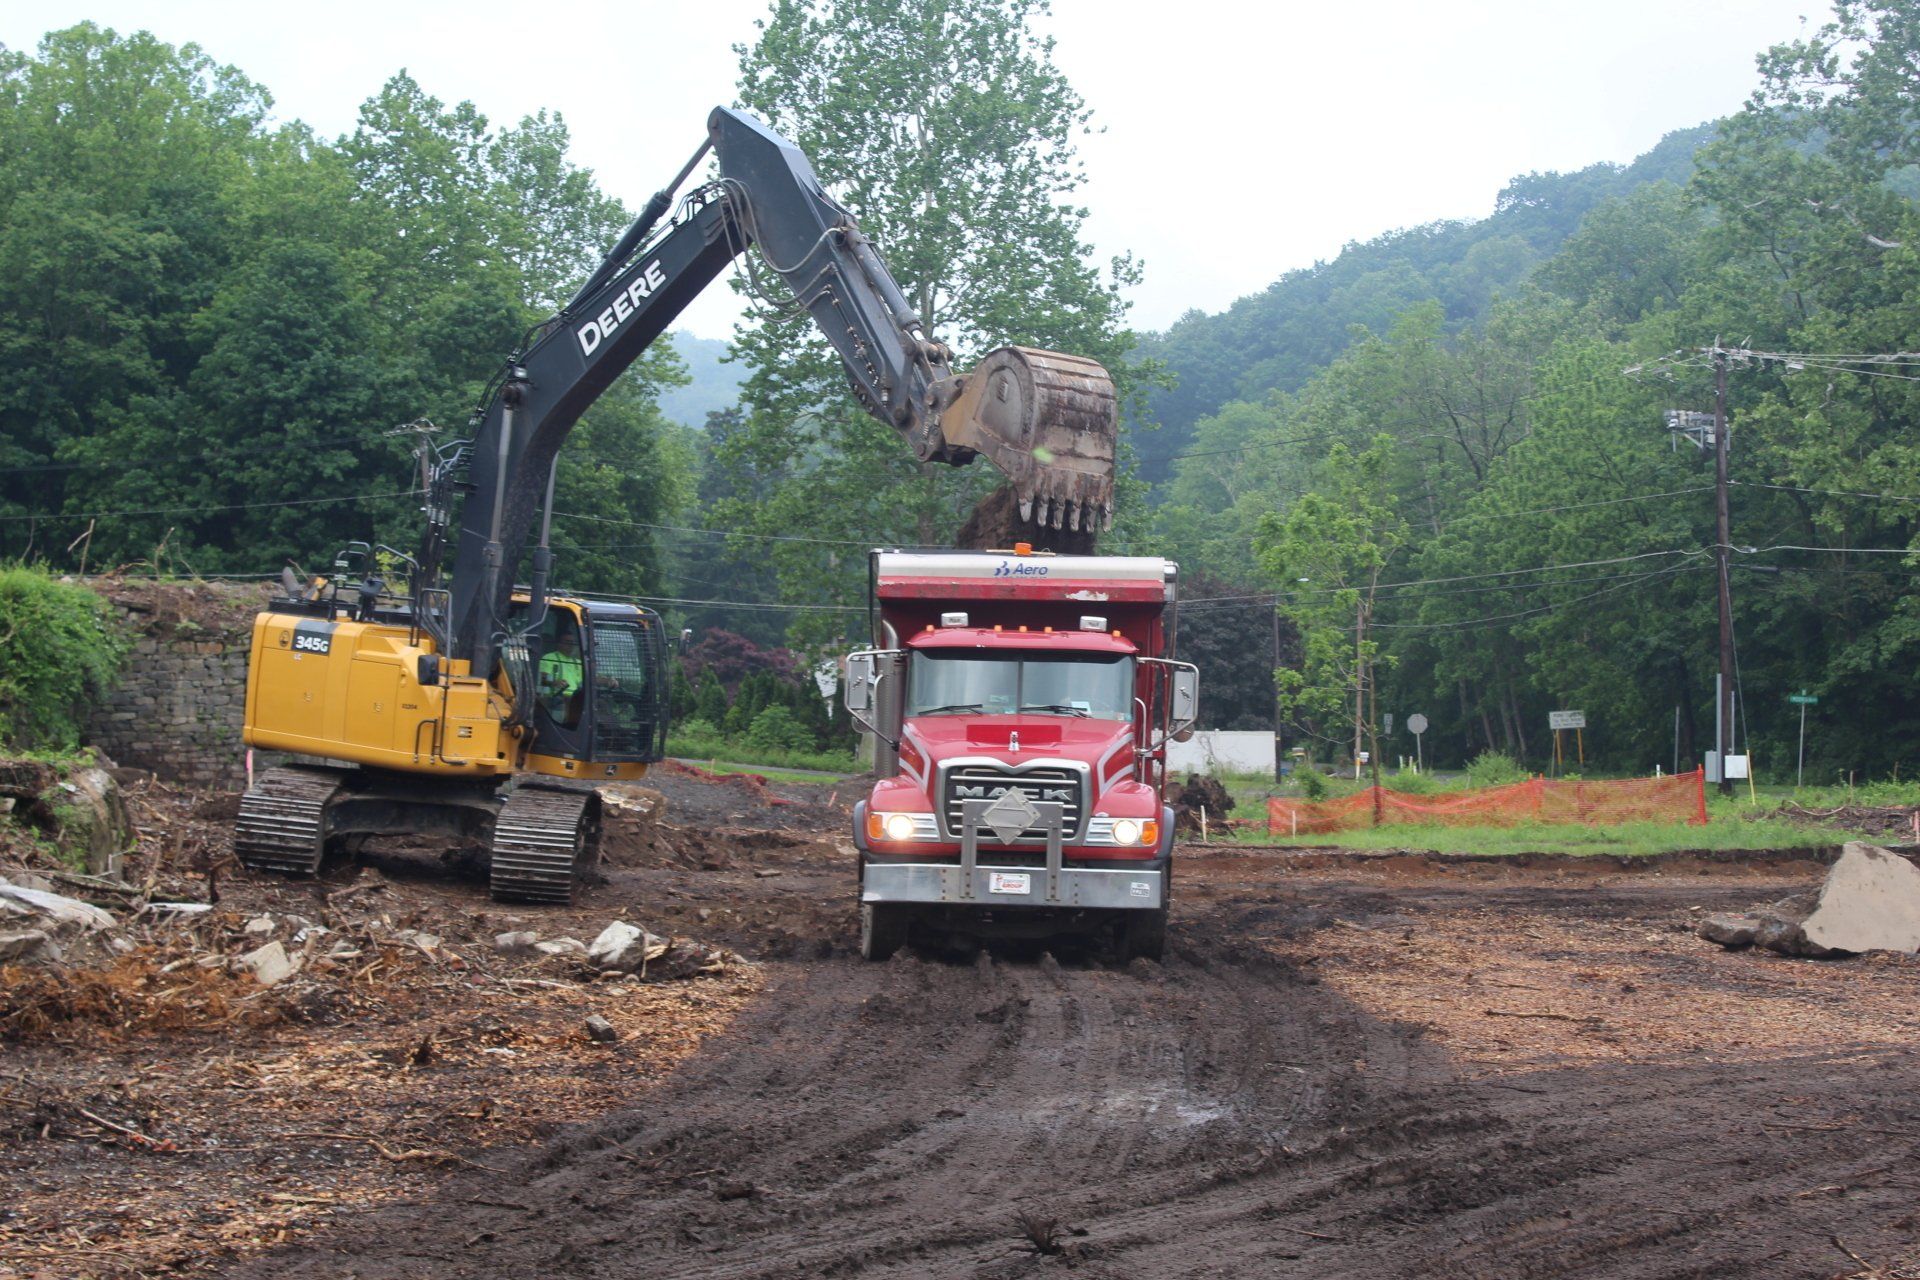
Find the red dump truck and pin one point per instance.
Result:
(1021, 705)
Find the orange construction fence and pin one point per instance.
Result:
(1680, 797)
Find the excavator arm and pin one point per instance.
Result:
(1045, 419)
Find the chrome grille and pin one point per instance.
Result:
(1058, 785)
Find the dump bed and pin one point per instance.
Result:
(1131, 594)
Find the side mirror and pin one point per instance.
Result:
(1186, 698)
(860, 682)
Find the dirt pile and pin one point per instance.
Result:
(1199, 796)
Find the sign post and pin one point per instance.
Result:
(1803, 700)
(1559, 722)
(1417, 725)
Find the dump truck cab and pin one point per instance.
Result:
(1021, 705)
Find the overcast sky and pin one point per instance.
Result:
(1241, 139)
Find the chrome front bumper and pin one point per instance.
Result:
(972, 883)
(1145, 889)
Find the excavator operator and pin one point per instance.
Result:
(562, 675)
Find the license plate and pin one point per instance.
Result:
(1009, 882)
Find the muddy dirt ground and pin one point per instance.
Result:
(1391, 1067)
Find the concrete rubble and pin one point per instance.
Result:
(625, 948)
(1870, 901)
(38, 926)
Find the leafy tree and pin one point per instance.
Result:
(1328, 553)
(948, 132)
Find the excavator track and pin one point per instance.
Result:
(283, 820)
(542, 838)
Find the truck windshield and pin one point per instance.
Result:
(1096, 686)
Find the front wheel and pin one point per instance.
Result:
(1144, 934)
(883, 929)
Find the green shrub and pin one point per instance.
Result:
(58, 650)
(1412, 782)
(1494, 769)
(1313, 783)
(776, 728)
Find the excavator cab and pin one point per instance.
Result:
(596, 673)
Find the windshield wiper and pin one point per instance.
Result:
(1060, 707)
(950, 707)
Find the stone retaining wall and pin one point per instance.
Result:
(178, 706)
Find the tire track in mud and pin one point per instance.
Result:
(1224, 1115)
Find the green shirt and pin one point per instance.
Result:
(561, 673)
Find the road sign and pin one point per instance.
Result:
(1417, 725)
(1566, 719)
(1803, 700)
(1389, 720)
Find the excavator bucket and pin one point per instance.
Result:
(1049, 421)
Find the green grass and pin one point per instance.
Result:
(1630, 838)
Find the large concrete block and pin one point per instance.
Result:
(1870, 902)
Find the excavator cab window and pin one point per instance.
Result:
(629, 694)
(561, 681)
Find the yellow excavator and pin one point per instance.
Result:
(468, 707)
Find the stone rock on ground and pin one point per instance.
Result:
(45, 909)
(600, 1031)
(623, 947)
(1870, 901)
(93, 817)
(28, 946)
(520, 942)
(84, 813)
(1731, 931)
(269, 964)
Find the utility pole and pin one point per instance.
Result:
(1722, 539)
(1359, 681)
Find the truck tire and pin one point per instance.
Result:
(1144, 935)
(883, 929)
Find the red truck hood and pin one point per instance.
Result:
(1066, 737)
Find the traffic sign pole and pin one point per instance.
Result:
(1803, 700)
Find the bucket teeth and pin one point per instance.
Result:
(1049, 421)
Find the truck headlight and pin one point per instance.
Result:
(1125, 832)
(900, 828)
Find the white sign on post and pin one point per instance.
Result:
(1566, 719)
(1417, 725)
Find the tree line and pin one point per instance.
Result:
(1432, 475)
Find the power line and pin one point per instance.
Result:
(1475, 623)
(233, 506)
(1276, 596)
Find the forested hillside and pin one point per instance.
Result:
(1434, 470)
(1277, 338)
(1480, 515)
